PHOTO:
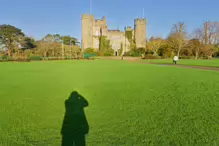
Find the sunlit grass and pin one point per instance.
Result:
(129, 103)
(210, 63)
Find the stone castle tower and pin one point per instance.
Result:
(87, 33)
(93, 28)
(140, 33)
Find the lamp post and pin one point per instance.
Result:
(125, 39)
(70, 43)
(62, 49)
(125, 44)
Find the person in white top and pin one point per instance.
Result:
(175, 59)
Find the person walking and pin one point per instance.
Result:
(175, 59)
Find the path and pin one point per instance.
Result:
(182, 66)
(139, 60)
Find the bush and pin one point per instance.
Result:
(90, 51)
(127, 53)
(150, 56)
(52, 58)
(217, 57)
(205, 57)
(67, 57)
(133, 53)
(141, 50)
(23, 60)
(6, 58)
(109, 52)
(35, 58)
(186, 57)
(100, 53)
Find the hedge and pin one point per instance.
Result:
(35, 58)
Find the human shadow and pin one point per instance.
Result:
(75, 125)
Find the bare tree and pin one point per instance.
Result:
(177, 38)
(210, 32)
(210, 37)
(154, 44)
(196, 43)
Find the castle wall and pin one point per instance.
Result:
(116, 39)
(96, 43)
(92, 29)
(99, 29)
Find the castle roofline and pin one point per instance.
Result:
(114, 30)
(87, 15)
(99, 20)
(128, 28)
(140, 19)
(103, 18)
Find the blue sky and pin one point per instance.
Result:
(39, 17)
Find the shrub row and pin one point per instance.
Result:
(186, 57)
(35, 58)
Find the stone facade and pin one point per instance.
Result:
(87, 25)
(92, 29)
(140, 33)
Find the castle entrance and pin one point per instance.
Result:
(116, 53)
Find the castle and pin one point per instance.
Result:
(93, 28)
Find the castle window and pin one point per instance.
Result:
(115, 46)
(97, 44)
(97, 33)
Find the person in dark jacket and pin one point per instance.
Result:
(75, 125)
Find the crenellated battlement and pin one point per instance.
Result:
(93, 28)
(128, 28)
(140, 21)
(87, 16)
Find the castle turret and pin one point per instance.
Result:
(140, 33)
(87, 31)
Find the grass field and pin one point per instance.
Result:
(210, 63)
(129, 103)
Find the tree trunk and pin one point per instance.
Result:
(45, 54)
(53, 53)
(178, 53)
(9, 52)
(196, 55)
(70, 52)
(62, 52)
(155, 52)
(180, 46)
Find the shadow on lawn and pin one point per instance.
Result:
(75, 125)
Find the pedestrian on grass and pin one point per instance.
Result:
(175, 59)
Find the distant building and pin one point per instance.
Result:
(93, 28)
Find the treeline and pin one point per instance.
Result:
(15, 45)
(202, 43)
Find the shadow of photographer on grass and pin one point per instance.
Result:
(75, 125)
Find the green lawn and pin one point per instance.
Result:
(129, 103)
(210, 63)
